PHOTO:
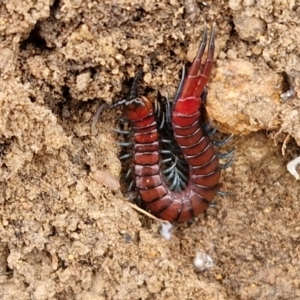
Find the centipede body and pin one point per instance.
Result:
(184, 199)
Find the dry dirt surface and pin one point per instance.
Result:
(66, 229)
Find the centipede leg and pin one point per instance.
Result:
(170, 169)
(166, 160)
(124, 132)
(225, 155)
(167, 115)
(223, 142)
(227, 164)
(122, 120)
(204, 96)
(124, 144)
(224, 194)
(210, 133)
(165, 141)
(128, 174)
(125, 156)
(175, 182)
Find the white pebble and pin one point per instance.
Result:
(292, 165)
(203, 261)
(165, 230)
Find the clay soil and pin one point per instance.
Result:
(67, 230)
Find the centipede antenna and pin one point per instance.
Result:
(135, 100)
(223, 142)
(225, 155)
(132, 95)
(118, 103)
(102, 107)
(133, 90)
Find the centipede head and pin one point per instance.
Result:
(134, 108)
(138, 108)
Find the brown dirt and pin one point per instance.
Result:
(63, 234)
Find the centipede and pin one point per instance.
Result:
(175, 166)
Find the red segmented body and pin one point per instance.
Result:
(197, 149)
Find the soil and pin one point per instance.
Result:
(66, 229)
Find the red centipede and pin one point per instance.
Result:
(191, 136)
